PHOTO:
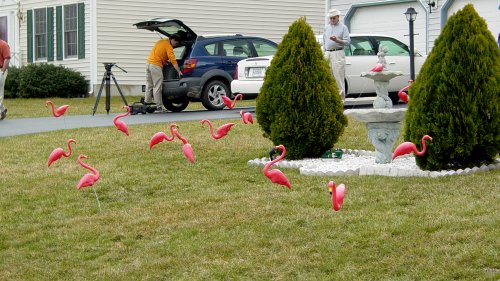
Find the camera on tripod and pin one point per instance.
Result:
(106, 81)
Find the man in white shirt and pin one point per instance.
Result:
(336, 36)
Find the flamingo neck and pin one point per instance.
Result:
(51, 106)
(420, 153)
(88, 167)
(120, 116)
(240, 96)
(70, 150)
(172, 128)
(176, 133)
(270, 163)
(211, 128)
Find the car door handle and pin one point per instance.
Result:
(392, 62)
(230, 62)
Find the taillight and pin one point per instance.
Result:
(235, 76)
(189, 66)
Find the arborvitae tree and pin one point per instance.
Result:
(455, 98)
(299, 105)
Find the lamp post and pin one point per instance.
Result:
(411, 15)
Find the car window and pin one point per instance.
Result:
(211, 49)
(179, 52)
(395, 47)
(360, 46)
(236, 48)
(263, 48)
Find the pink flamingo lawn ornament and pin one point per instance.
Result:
(221, 131)
(161, 136)
(230, 104)
(275, 175)
(246, 116)
(58, 153)
(377, 68)
(186, 148)
(408, 147)
(403, 96)
(59, 111)
(338, 194)
(88, 179)
(119, 124)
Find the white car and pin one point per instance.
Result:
(361, 56)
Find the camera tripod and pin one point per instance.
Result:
(107, 78)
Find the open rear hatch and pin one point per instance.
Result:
(168, 27)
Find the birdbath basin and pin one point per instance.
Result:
(381, 80)
(383, 126)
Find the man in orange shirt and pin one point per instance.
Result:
(161, 54)
(4, 65)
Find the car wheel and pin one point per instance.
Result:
(212, 95)
(175, 105)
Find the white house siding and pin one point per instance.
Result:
(119, 41)
(8, 10)
(429, 21)
(80, 65)
(487, 9)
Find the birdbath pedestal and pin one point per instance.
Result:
(383, 126)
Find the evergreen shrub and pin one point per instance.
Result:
(47, 80)
(455, 98)
(299, 105)
(11, 89)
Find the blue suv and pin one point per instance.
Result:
(208, 64)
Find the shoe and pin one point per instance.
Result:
(160, 109)
(3, 115)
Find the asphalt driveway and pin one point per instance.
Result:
(22, 126)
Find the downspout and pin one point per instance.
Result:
(444, 12)
(93, 45)
(426, 27)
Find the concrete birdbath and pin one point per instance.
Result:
(383, 122)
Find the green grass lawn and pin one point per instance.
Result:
(24, 108)
(164, 218)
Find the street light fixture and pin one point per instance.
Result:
(411, 16)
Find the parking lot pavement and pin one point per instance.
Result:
(22, 126)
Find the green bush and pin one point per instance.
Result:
(455, 98)
(47, 80)
(299, 105)
(12, 83)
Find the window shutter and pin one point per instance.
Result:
(50, 34)
(59, 33)
(30, 35)
(81, 30)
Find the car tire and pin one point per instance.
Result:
(175, 105)
(212, 95)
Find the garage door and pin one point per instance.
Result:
(487, 9)
(389, 19)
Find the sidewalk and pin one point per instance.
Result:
(22, 126)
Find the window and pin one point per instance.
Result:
(264, 48)
(236, 48)
(40, 27)
(211, 49)
(70, 31)
(360, 46)
(3, 29)
(395, 48)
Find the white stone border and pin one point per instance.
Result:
(362, 163)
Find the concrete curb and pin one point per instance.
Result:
(362, 163)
